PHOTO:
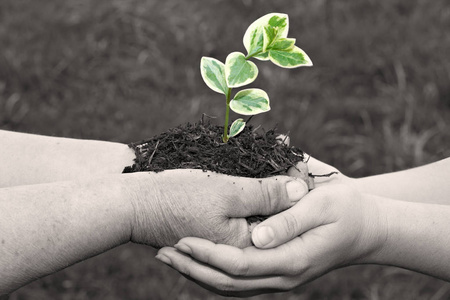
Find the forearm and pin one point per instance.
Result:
(30, 159)
(426, 184)
(417, 237)
(47, 227)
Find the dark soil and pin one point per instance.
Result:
(253, 153)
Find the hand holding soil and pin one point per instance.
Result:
(335, 225)
(70, 203)
(177, 203)
(306, 241)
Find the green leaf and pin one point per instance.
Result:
(262, 56)
(269, 36)
(279, 21)
(293, 58)
(236, 127)
(277, 28)
(254, 40)
(250, 102)
(213, 73)
(283, 44)
(239, 71)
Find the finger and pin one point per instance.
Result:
(321, 172)
(301, 170)
(317, 167)
(307, 214)
(218, 280)
(265, 196)
(246, 262)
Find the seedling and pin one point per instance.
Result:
(265, 39)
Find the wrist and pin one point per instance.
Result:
(141, 191)
(375, 229)
(416, 237)
(115, 208)
(394, 226)
(111, 205)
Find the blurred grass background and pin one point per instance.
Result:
(377, 100)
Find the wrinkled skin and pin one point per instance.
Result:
(203, 204)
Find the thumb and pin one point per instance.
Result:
(268, 196)
(283, 227)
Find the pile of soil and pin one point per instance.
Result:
(253, 153)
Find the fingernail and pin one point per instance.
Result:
(164, 259)
(262, 236)
(183, 248)
(296, 189)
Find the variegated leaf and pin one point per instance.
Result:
(284, 44)
(250, 102)
(293, 58)
(236, 128)
(254, 40)
(213, 73)
(254, 35)
(262, 56)
(277, 28)
(239, 71)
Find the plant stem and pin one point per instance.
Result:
(252, 54)
(227, 115)
(228, 97)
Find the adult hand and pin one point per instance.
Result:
(179, 203)
(331, 227)
(79, 219)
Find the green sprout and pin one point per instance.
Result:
(265, 39)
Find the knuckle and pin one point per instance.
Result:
(297, 268)
(185, 268)
(272, 194)
(291, 269)
(239, 267)
(291, 224)
(325, 201)
(224, 285)
(206, 257)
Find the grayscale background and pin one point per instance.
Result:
(377, 100)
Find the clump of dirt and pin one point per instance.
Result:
(253, 153)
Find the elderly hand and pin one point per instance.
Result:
(178, 203)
